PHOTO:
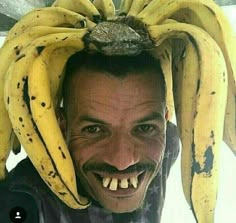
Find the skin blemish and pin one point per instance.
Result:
(20, 119)
(33, 97)
(43, 104)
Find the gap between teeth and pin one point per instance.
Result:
(112, 183)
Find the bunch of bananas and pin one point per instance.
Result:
(192, 39)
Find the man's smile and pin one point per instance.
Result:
(118, 185)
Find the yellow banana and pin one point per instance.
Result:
(217, 25)
(164, 54)
(106, 8)
(206, 134)
(230, 120)
(54, 165)
(125, 6)
(8, 53)
(186, 70)
(55, 69)
(84, 7)
(136, 7)
(49, 16)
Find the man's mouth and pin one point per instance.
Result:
(120, 184)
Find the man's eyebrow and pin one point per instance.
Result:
(88, 118)
(153, 116)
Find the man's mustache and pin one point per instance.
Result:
(104, 167)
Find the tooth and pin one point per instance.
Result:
(106, 181)
(134, 181)
(124, 183)
(114, 183)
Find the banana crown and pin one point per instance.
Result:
(193, 41)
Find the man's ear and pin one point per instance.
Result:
(62, 121)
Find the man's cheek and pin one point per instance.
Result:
(155, 151)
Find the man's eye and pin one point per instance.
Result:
(145, 129)
(92, 129)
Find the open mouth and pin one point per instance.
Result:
(121, 185)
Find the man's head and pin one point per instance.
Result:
(115, 126)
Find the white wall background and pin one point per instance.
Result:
(176, 208)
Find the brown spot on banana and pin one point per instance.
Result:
(20, 57)
(198, 85)
(208, 163)
(40, 49)
(63, 154)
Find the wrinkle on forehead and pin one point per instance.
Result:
(106, 93)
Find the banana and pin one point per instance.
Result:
(54, 165)
(136, 7)
(84, 7)
(205, 135)
(186, 70)
(164, 54)
(8, 53)
(230, 120)
(217, 25)
(49, 16)
(106, 8)
(125, 6)
(55, 69)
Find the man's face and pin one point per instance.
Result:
(116, 136)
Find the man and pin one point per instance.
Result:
(114, 120)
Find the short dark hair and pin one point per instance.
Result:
(118, 66)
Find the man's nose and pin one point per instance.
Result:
(121, 152)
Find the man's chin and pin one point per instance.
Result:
(122, 208)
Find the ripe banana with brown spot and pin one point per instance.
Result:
(217, 25)
(54, 165)
(106, 8)
(206, 132)
(52, 17)
(84, 7)
(8, 53)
